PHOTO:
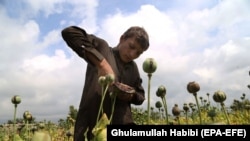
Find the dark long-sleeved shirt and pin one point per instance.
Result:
(81, 42)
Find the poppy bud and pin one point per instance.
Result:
(16, 99)
(193, 87)
(149, 65)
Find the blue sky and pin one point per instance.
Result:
(204, 41)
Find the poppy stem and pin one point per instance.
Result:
(113, 107)
(149, 81)
(198, 105)
(165, 107)
(103, 97)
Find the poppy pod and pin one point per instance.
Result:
(185, 107)
(41, 125)
(175, 110)
(102, 80)
(149, 65)
(161, 91)
(27, 116)
(219, 96)
(68, 134)
(212, 113)
(193, 87)
(110, 78)
(158, 104)
(16, 99)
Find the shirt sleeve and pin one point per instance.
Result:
(81, 42)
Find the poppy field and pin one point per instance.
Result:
(198, 112)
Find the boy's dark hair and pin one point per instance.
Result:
(140, 34)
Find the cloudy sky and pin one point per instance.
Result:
(204, 41)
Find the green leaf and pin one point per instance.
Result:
(100, 130)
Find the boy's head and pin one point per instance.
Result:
(141, 36)
(133, 43)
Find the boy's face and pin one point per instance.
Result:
(129, 49)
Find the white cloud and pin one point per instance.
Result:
(30, 32)
(46, 63)
(51, 38)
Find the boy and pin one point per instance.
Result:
(103, 60)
